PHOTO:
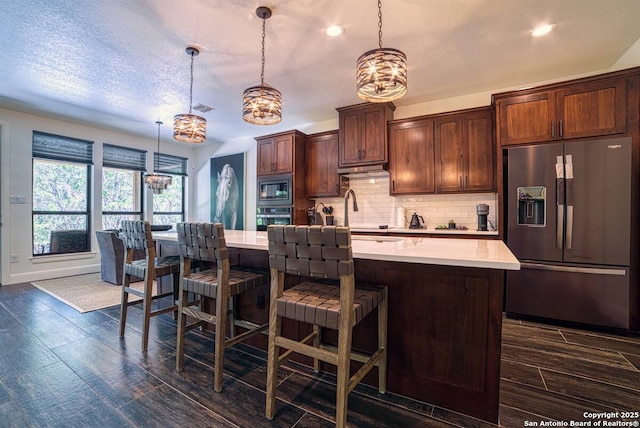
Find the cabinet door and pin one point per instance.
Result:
(374, 134)
(592, 109)
(265, 157)
(411, 157)
(322, 166)
(350, 150)
(479, 169)
(526, 118)
(283, 154)
(449, 154)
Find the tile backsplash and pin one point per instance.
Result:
(376, 207)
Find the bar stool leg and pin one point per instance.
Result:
(124, 304)
(220, 327)
(273, 351)
(146, 305)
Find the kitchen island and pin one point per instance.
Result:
(445, 312)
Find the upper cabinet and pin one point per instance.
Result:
(464, 155)
(411, 157)
(322, 166)
(573, 110)
(444, 153)
(277, 153)
(363, 134)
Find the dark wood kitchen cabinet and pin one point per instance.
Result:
(464, 155)
(587, 108)
(322, 166)
(363, 134)
(277, 152)
(411, 157)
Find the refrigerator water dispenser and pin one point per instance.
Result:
(531, 206)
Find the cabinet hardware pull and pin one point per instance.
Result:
(460, 183)
(364, 154)
(553, 129)
(561, 130)
(466, 181)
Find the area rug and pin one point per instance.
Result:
(86, 293)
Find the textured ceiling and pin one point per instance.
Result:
(121, 64)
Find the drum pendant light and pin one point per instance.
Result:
(262, 104)
(157, 182)
(381, 74)
(190, 128)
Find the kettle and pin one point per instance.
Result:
(417, 222)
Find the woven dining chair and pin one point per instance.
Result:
(318, 254)
(136, 235)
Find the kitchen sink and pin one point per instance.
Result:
(376, 238)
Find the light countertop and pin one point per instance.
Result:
(478, 253)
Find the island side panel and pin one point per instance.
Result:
(444, 333)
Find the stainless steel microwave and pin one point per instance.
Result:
(275, 190)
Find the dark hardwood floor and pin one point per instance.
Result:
(62, 368)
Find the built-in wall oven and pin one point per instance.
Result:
(272, 215)
(275, 190)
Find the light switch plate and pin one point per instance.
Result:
(18, 199)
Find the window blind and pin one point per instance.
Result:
(169, 164)
(124, 158)
(57, 147)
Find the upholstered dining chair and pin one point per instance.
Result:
(205, 243)
(319, 254)
(136, 235)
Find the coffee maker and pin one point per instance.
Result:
(483, 211)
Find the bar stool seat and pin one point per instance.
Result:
(204, 242)
(136, 235)
(326, 298)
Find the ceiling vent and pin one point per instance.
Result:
(203, 108)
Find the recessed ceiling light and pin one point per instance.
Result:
(541, 30)
(335, 30)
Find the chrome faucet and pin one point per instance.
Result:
(346, 205)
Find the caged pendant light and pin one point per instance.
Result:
(157, 182)
(381, 74)
(190, 128)
(262, 104)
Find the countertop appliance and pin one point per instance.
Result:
(483, 211)
(417, 222)
(568, 221)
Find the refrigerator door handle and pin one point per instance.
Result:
(569, 200)
(573, 269)
(560, 200)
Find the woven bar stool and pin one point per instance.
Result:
(321, 253)
(204, 242)
(136, 235)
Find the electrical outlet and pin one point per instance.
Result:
(14, 258)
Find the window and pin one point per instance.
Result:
(121, 185)
(168, 207)
(61, 194)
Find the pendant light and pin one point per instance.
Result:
(157, 182)
(190, 128)
(381, 74)
(262, 104)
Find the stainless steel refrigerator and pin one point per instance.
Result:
(568, 220)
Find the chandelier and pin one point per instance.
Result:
(262, 104)
(190, 128)
(157, 182)
(381, 74)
